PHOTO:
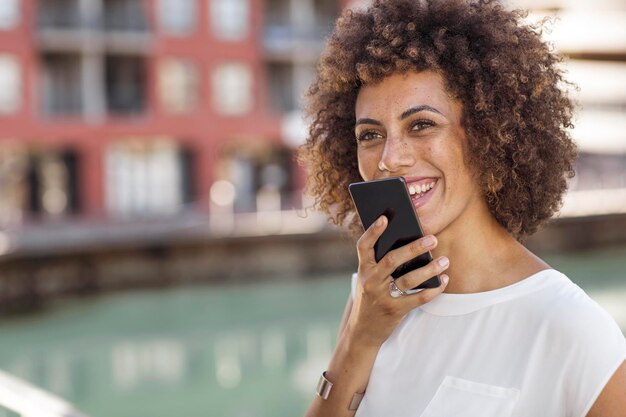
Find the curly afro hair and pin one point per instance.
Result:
(515, 111)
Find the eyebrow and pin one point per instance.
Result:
(416, 109)
(366, 121)
(404, 115)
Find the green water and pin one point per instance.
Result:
(229, 351)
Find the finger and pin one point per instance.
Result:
(416, 277)
(424, 296)
(365, 244)
(393, 259)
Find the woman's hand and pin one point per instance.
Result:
(375, 313)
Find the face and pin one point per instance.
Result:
(409, 125)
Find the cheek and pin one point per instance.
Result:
(364, 175)
(462, 182)
(454, 168)
(368, 164)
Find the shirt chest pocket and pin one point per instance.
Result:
(458, 397)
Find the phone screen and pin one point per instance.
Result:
(391, 197)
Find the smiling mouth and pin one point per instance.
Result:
(417, 190)
(421, 190)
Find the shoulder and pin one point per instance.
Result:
(574, 314)
(586, 339)
(571, 316)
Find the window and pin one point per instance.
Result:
(230, 19)
(326, 12)
(36, 183)
(10, 84)
(177, 17)
(55, 184)
(60, 14)
(125, 84)
(282, 94)
(125, 15)
(178, 85)
(9, 14)
(232, 89)
(145, 177)
(260, 175)
(14, 193)
(62, 88)
(287, 84)
(277, 13)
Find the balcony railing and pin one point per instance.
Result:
(114, 16)
(288, 39)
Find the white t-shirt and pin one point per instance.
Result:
(539, 347)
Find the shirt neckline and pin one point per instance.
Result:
(458, 304)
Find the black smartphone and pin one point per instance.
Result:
(390, 196)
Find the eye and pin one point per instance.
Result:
(421, 124)
(368, 135)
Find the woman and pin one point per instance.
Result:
(464, 101)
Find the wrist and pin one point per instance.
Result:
(360, 338)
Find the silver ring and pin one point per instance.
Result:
(394, 291)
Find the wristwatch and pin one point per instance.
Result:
(324, 386)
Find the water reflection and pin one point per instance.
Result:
(253, 350)
(134, 363)
(267, 371)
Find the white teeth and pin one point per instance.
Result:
(420, 189)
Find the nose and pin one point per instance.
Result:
(397, 154)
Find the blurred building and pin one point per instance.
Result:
(591, 34)
(124, 108)
(131, 108)
(124, 122)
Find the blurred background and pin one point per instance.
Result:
(156, 254)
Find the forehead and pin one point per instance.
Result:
(398, 92)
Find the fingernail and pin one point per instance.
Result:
(428, 241)
(445, 279)
(380, 221)
(443, 262)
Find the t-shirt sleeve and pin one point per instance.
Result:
(597, 349)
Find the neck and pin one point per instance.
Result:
(483, 255)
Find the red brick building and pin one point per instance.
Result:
(125, 108)
(131, 107)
